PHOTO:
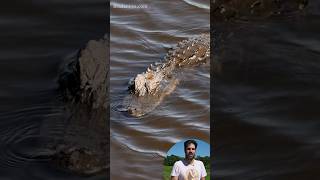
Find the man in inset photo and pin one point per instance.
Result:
(189, 168)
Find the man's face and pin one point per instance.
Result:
(190, 151)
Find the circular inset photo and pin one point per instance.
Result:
(188, 160)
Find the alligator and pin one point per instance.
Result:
(84, 86)
(83, 83)
(148, 89)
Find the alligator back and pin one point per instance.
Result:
(149, 88)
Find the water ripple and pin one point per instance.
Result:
(204, 5)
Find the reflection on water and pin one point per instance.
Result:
(140, 37)
(266, 99)
(35, 38)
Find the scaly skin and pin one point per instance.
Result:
(151, 87)
(87, 85)
(83, 148)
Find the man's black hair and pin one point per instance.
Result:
(190, 141)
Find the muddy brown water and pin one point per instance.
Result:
(266, 98)
(140, 37)
(36, 38)
(265, 91)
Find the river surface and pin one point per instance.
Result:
(265, 88)
(36, 37)
(266, 98)
(142, 32)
